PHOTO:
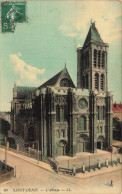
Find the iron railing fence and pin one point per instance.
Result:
(91, 165)
(29, 152)
(89, 162)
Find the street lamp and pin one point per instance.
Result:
(38, 151)
(111, 157)
(68, 164)
(6, 153)
(89, 163)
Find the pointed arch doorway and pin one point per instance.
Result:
(62, 148)
(83, 143)
(100, 142)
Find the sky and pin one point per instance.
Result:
(40, 47)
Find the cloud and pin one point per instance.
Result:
(27, 74)
(78, 19)
(72, 34)
(5, 106)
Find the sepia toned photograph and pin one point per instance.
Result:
(60, 97)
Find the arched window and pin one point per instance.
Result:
(100, 112)
(58, 113)
(99, 58)
(82, 62)
(63, 133)
(96, 81)
(97, 129)
(95, 57)
(82, 124)
(103, 59)
(87, 59)
(100, 129)
(65, 113)
(103, 113)
(65, 83)
(102, 82)
(83, 82)
(61, 113)
(86, 81)
(98, 116)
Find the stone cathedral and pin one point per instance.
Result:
(65, 119)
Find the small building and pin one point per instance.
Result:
(5, 116)
(117, 121)
(117, 111)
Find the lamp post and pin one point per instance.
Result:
(111, 157)
(68, 164)
(89, 163)
(38, 151)
(6, 153)
(15, 171)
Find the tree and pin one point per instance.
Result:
(4, 126)
(117, 125)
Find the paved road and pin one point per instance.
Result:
(43, 181)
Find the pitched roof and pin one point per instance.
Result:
(93, 34)
(23, 91)
(54, 79)
(117, 107)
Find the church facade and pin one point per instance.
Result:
(65, 119)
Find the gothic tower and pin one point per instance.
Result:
(92, 75)
(92, 62)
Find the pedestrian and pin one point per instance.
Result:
(57, 167)
(74, 170)
(112, 183)
(106, 162)
(99, 165)
(83, 168)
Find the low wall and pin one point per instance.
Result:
(29, 152)
(6, 172)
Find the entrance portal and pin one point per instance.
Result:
(83, 143)
(99, 145)
(62, 149)
(100, 142)
(84, 146)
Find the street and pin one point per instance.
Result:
(33, 179)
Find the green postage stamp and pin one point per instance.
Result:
(11, 14)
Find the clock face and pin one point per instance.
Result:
(64, 83)
(82, 104)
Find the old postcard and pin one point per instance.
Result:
(60, 97)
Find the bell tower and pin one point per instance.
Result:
(92, 62)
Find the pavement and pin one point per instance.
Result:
(117, 143)
(47, 167)
(30, 160)
(86, 158)
(98, 172)
(40, 177)
(69, 162)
